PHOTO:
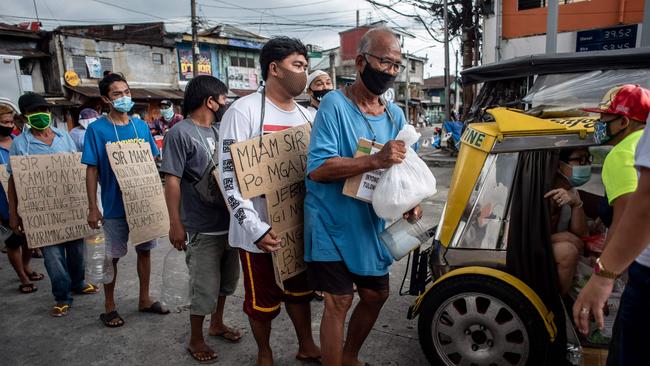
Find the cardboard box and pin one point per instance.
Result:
(362, 186)
(594, 356)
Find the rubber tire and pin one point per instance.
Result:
(538, 338)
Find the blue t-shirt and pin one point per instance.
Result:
(28, 144)
(100, 133)
(4, 204)
(338, 227)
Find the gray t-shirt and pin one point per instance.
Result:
(187, 151)
(642, 160)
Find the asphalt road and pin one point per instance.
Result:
(30, 336)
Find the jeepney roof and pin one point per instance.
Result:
(514, 130)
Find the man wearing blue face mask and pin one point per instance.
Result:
(568, 219)
(117, 127)
(168, 118)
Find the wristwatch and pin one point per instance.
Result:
(599, 270)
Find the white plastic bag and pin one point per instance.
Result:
(403, 186)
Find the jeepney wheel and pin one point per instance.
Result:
(475, 320)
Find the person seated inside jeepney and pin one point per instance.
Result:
(569, 223)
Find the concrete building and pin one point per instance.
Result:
(433, 97)
(226, 52)
(140, 52)
(513, 28)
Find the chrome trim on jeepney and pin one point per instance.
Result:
(527, 143)
(457, 257)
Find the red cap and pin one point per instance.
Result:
(628, 100)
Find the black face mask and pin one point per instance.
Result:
(376, 81)
(5, 131)
(218, 115)
(319, 94)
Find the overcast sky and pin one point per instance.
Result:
(313, 21)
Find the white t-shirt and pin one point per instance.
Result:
(313, 112)
(241, 122)
(642, 160)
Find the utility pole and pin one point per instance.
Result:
(456, 89)
(332, 57)
(357, 18)
(195, 41)
(551, 27)
(407, 93)
(645, 32)
(446, 76)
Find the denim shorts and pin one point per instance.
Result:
(214, 271)
(116, 233)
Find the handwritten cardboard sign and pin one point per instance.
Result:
(362, 186)
(285, 206)
(142, 190)
(280, 160)
(289, 261)
(4, 177)
(52, 199)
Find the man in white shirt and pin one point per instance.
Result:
(319, 83)
(284, 63)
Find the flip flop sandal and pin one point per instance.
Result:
(59, 311)
(155, 308)
(308, 359)
(212, 358)
(233, 338)
(35, 276)
(27, 288)
(107, 319)
(89, 290)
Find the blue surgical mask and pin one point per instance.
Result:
(580, 174)
(123, 104)
(167, 113)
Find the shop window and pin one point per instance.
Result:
(157, 58)
(107, 63)
(234, 61)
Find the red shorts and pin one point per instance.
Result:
(263, 297)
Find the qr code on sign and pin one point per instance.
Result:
(226, 145)
(228, 166)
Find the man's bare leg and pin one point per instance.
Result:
(262, 333)
(144, 275)
(109, 294)
(300, 314)
(332, 328)
(217, 326)
(17, 260)
(361, 322)
(199, 349)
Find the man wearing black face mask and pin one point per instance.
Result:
(342, 246)
(319, 83)
(284, 63)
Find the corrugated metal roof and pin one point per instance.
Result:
(136, 93)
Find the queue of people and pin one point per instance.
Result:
(219, 230)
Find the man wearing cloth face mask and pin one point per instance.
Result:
(64, 262)
(568, 220)
(319, 83)
(342, 246)
(168, 118)
(78, 134)
(116, 127)
(283, 62)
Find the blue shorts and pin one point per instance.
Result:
(116, 233)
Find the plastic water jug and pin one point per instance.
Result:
(99, 263)
(403, 236)
(176, 281)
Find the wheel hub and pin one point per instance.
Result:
(473, 329)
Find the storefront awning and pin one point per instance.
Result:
(136, 93)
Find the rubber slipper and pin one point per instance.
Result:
(59, 311)
(229, 336)
(107, 319)
(155, 308)
(212, 358)
(27, 288)
(35, 276)
(88, 290)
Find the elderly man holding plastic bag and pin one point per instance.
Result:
(342, 246)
